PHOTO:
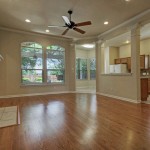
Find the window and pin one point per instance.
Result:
(55, 64)
(92, 68)
(81, 68)
(31, 63)
(37, 69)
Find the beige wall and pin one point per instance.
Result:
(145, 47)
(85, 54)
(10, 71)
(125, 51)
(113, 54)
(122, 86)
(119, 86)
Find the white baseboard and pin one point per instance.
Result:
(63, 92)
(34, 94)
(120, 98)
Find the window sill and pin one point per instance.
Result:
(42, 84)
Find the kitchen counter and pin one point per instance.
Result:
(143, 77)
(116, 74)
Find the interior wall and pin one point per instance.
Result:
(10, 68)
(125, 51)
(113, 54)
(120, 86)
(85, 54)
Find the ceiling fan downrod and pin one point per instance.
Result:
(70, 12)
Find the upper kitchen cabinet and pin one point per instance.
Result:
(144, 61)
(126, 61)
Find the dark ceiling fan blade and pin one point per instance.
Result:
(79, 30)
(65, 31)
(67, 21)
(53, 26)
(83, 23)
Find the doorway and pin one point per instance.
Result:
(85, 68)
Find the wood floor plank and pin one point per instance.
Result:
(76, 122)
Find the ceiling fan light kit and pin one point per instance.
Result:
(72, 25)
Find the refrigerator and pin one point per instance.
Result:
(118, 68)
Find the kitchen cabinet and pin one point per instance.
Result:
(144, 89)
(118, 61)
(129, 63)
(144, 61)
(126, 60)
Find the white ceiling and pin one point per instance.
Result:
(48, 12)
(121, 39)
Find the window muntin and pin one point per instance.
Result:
(55, 63)
(31, 63)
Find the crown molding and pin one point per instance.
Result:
(35, 34)
(140, 20)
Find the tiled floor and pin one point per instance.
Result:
(8, 116)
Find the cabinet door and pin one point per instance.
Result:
(144, 89)
(124, 60)
(129, 63)
(117, 61)
(142, 62)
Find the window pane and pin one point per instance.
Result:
(32, 76)
(55, 47)
(55, 76)
(31, 44)
(92, 68)
(92, 64)
(92, 74)
(31, 62)
(55, 64)
(31, 56)
(81, 68)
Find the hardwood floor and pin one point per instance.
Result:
(77, 122)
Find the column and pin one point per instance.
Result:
(72, 77)
(98, 64)
(135, 58)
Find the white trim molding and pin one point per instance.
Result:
(33, 94)
(67, 92)
(120, 98)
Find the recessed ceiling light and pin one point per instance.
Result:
(27, 20)
(47, 31)
(127, 0)
(88, 45)
(106, 22)
(127, 41)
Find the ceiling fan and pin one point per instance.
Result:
(72, 25)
